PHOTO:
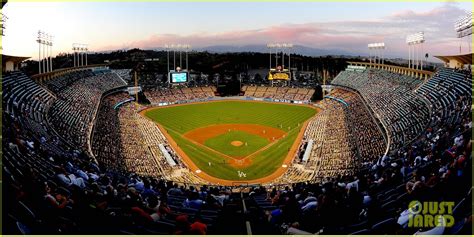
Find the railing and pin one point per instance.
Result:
(248, 227)
(420, 74)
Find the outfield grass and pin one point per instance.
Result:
(222, 143)
(178, 120)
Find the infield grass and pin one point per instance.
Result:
(223, 143)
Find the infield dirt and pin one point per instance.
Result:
(202, 134)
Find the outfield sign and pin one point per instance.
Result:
(356, 68)
(134, 90)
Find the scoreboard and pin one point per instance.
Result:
(179, 77)
(279, 75)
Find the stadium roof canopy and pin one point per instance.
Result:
(456, 61)
(11, 63)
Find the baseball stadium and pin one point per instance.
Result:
(179, 139)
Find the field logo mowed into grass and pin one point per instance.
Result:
(224, 137)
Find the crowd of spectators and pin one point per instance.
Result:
(125, 141)
(391, 96)
(136, 157)
(125, 74)
(171, 95)
(369, 137)
(344, 138)
(106, 140)
(58, 84)
(73, 113)
(279, 93)
(449, 92)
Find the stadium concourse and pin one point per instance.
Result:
(79, 160)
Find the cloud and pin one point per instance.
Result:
(352, 36)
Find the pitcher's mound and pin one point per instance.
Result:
(237, 143)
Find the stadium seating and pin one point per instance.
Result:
(279, 93)
(27, 103)
(344, 139)
(166, 95)
(74, 111)
(393, 100)
(58, 84)
(448, 91)
(124, 74)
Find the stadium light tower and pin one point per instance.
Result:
(39, 40)
(86, 50)
(414, 42)
(3, 20)
(50, 44)
(180, 48)
(75, 48)
(167, 47)
(74, 55)
(180, 51)
(80, 54)
(280, 48)
(45, 44)
(277, 51)
(187, 47)
(463, 28)
(280, 69)
(379, 52)
(270, 46)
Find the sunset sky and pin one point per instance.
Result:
(344, 26)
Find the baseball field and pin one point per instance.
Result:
(234, 140)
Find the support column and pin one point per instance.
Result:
(415, 52)
(44, 63)
(409, 56)
(276, 58)
(51, 57)
(371, 56)
(283, 58)
(270, 59)
(289, 60)
(168, 59)
(422, 56)
(39, 57)
(47, 57)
